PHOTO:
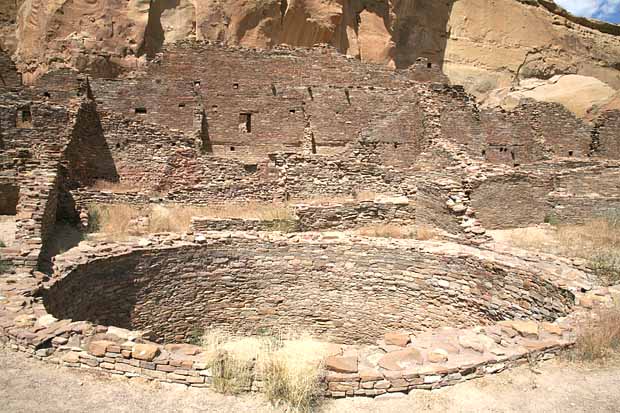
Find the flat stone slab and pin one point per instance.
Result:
(401, 359)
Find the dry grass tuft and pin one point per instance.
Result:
(386, 231)
(597, 241)
(425, 233)
(118, 222)
(599, 336)
(289, 367)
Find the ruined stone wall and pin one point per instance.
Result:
(141, 150)
(62, 85)
(35, 133)
(583, 194)
(531, 132)
(352, 214)
(560, 133)
(9, 76)
(275, 94)
(513, 200)
(87, 155)
(335, 290)
(572, 192)
(607, 135)
(304, 176)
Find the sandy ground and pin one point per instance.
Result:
(27, 385)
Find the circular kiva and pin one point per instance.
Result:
(344, 292)
(395, 315)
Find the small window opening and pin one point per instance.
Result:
(348, 96)
(250, 168)
(140, 111)
(24, 118)
(235, 85)
(232, 148)
(181, 105)
(47, 94)
(395, 145)
(245, 122)
(214, 108)
(197, 83)
(484, 152)
(429, 65)
(310, 93)
(512, 155)
(118, 146)
(274, 91)
(570, 153)
(291, 111)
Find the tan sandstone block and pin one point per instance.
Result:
(438, 355)
(552, 328)
(397, 339)
(99, 348)
(146, 352)
(341, 364)
(401, 359)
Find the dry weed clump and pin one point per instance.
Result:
(422, 232)
(118, 222)
(597, 241)
(386, 231)
(425, 233)
(288, 367)
(599, 336)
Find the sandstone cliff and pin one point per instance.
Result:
(482, 44)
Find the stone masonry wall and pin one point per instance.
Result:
(9, 76)
(341, 291)
(573, 192)
(607, 137)
(398, 211)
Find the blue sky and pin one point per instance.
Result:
(608, 10)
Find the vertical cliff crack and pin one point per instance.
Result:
(283, 9)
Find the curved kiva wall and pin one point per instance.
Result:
(345, 291)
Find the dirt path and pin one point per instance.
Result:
(30, 386)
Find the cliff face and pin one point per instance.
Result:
(482, 44)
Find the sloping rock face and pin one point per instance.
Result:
(482, 44)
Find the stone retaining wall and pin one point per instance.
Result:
(203, 224)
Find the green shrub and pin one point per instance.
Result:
(606, 265)
(195, 337)
(2, 244)
(552, 219)
(95, 218)
(282, 225)
(612, 217)
(5, 266)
